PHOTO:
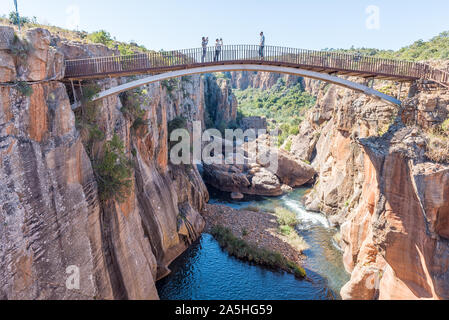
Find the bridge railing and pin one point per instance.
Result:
(327, 61)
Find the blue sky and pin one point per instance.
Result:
(317, 24)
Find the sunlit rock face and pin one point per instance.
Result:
(266, 171)
(51, 219)
(379, 187)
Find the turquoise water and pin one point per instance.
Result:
(205, 272)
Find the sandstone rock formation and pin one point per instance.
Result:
(402, 217)
(266, 171)
(261, 80)
(51, 218)
(376, 183)
(254, 123)
(220, 102)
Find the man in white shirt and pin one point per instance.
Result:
(262, 45)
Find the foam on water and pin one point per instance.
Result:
(306, 217)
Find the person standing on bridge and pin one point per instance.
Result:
(204, 45)
(217, 49)
(262, 46)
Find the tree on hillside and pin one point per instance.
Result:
(101, 36)
(14, 19)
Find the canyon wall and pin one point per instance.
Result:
(262, 80)
(377, 184)
(52, 219)
(221, 104)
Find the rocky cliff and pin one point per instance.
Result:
(378, 185)
(262, 80)
(52, 216)
(221, 104)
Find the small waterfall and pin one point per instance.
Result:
(306, 217)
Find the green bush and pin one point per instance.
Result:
(113, 171)
(170, 85)
(286, 230)
(14, 19)
(247, 252)
(445, 126)
(286, 217)
(177, 123)
(24, 88)
(20, 49)
(101, 36)
(132, 107)
(288, 145)
(90, 90)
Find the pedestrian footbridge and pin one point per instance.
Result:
(320, 65)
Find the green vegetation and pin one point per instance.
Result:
(86, 119)
(24, 88)
(286, 217)
(287, 221)
(438, 143)
(113, 170)
(20, 49)
(284, 105)
(286, 230)
(132, 102)
(445, 126)
(435, 48)
(102, 37)
(247, 252)
(288, 145)
(177, 123)
(170, 85)
(14, 19)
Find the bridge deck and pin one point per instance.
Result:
(319, 61)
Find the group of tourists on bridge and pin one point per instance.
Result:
(219, 48)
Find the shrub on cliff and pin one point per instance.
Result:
(24, 88)
(132, 107)
(445, 126)
(177, 123)
(20, 49)
(438, 146)
(113, 171)
(86, 118)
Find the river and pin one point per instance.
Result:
(205, 272)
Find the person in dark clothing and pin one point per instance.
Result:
(204, 45)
